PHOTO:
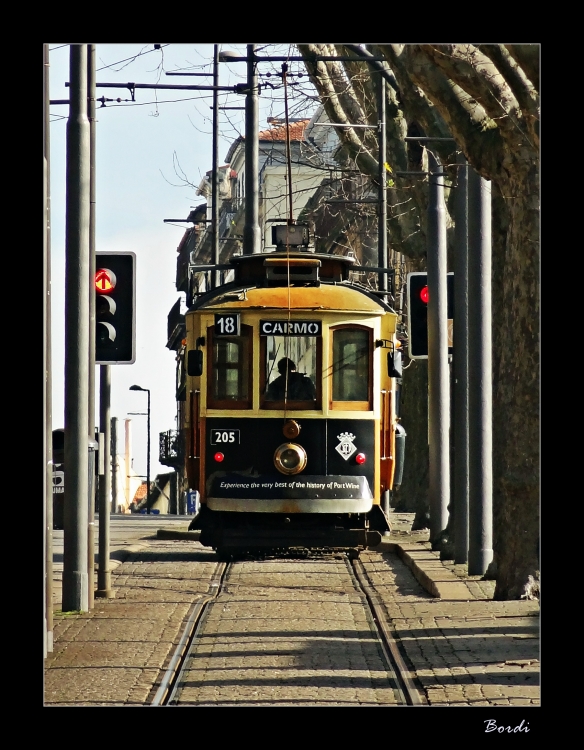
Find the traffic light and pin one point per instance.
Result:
(418, 313)
(115, 308)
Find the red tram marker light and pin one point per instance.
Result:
(105, 280)
(360, 458)
(219, 457)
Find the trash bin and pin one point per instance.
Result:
(400, 447)
(58, 479)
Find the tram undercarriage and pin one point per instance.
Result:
(228, 532)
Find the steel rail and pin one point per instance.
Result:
(407, 688)
(171, 678)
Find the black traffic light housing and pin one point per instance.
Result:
(417, 288)
(115, 308)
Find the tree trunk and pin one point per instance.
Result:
(516, 397)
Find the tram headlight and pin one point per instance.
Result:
(290, 458)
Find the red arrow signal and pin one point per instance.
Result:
(105, 280)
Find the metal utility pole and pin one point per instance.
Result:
(382, 157)
(460, 491)
(75, 574)
(48, 437)
(382, 213)
(91, 378)
(480, 552)
(251, 231)
(438, 380)
(216, 275)
(104, 589)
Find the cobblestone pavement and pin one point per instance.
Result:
(288, 633)
(113, 654)
(477, 652)
(294, 633)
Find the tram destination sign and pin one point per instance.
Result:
(290, 328)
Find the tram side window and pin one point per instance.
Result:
(291, 370)
(351, 367)
(229, 377)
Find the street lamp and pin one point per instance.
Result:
(139, 388)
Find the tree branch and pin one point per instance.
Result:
(527, 56)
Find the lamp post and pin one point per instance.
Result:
(139, 388)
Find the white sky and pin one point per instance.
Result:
(136, 143)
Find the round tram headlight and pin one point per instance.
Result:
(290, 458)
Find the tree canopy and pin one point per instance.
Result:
(485, 97)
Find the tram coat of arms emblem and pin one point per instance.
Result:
(346, 447)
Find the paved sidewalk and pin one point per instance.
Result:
(467, 649)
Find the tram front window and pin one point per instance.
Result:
(229, 377)
(291, 369)
(351, 365)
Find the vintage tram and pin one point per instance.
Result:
(290, 414)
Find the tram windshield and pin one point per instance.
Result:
(291, 368)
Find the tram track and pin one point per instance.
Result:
(171, 678)
(395, 665)
(407, 688)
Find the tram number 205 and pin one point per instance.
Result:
(224, 436)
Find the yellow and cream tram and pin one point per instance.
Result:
(290, 414)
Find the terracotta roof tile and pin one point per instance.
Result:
(279, 132)
(140, 493)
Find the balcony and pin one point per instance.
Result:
(171, 448)
(175, 327)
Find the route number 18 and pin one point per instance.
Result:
(227, 325)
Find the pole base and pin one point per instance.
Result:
(105, 594)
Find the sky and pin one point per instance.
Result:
(147, 153)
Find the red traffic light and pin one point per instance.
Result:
(424, 294)
(105, 280)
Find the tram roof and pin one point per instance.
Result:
(341, 297)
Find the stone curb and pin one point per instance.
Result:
(119, 556)
(428, 570)
(172, 534)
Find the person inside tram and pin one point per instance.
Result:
(300, 386)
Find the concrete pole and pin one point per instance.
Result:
(128, 461)
(460, 351)
(251, 230)
(48, 410)
(75, 573)
(104, 589)
(148, 457)
(480, 552)
(438, 375)
(114, 465)
(91, 363)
